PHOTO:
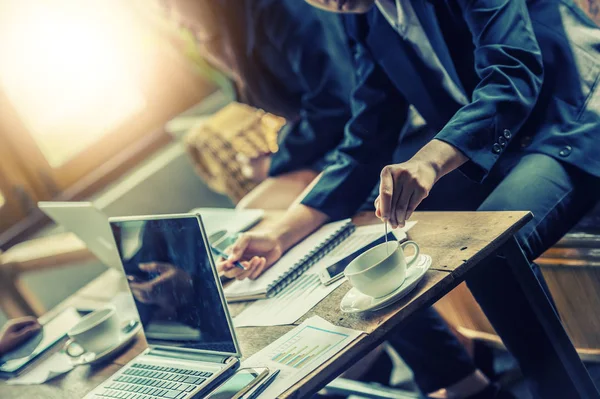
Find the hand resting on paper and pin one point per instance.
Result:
(256, 251)
(17, 331)
(260, 250)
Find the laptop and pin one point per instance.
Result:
(90, 224)
(173, 280)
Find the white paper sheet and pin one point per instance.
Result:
(300, 351)
(288, 305)
(55, 365)
(307, 291)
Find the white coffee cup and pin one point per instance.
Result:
(382, 269)
(95, 332)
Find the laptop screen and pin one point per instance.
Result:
(173, 283)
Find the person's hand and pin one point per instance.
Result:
(403, 186)
(17, 331)
(170, 288)
(256, 251)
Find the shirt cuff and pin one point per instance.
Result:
(482, 155)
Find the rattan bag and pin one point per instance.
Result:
(214, 146)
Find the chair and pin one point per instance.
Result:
(54, 251)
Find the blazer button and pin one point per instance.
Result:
(496, 148)
(502, 141)
(566, 151)
(507, 134)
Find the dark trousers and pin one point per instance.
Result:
(558, 195)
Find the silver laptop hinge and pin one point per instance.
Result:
(198, 357)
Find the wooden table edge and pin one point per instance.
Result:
(366, 342)
(489, 249)
(457, 277)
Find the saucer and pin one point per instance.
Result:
(355, 301)
(127, 335)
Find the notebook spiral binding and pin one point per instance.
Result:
(311, 258)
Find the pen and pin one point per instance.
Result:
(264, 385)
(225, 256)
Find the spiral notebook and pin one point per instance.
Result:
(291, 265)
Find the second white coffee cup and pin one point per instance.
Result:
(382, 269)
(95, 332)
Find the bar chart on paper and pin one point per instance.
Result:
(300, 351)
(307, 345)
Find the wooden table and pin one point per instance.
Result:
(457, 242)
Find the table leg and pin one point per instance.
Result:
(518, 308)
(561, 345)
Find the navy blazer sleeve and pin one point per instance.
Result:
(509, 65)
(318, 54)
(379, 113)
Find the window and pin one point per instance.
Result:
(67, 76)
(13, 196)
(85, 88)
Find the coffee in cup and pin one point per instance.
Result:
(382, 269)
(95, 332)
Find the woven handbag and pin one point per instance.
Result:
(215, 144)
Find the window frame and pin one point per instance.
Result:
(171, 84)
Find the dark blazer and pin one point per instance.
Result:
(530, 70)
(303, 53)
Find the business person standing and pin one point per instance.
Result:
(510, 91)
(292, 59)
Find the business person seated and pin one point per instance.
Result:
(16, 331)
(289, 59)
(509, 90)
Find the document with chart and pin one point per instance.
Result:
(301, 351)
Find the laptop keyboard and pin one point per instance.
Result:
(144, 381)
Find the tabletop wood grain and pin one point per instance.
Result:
(458, 239)
(457, 242)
